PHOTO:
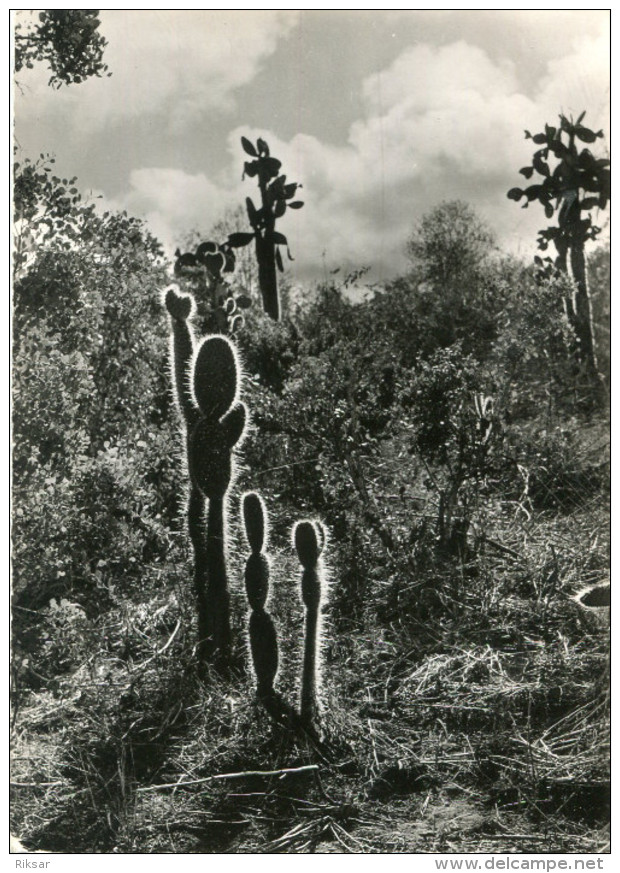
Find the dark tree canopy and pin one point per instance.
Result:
(67, 40)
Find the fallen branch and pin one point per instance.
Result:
(246, 773)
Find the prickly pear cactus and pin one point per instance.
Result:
(309, 539)
(206, 387)
(263, 639)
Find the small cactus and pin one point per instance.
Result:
(263, 639)
(309, 539)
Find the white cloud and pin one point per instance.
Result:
(439, 124)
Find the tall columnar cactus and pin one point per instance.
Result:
(309, 538)
(263, 640)
(206, 387)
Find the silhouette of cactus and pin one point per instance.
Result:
(309, 539)
(206, 389)
(204, 271)
(263, 639)
(275, 196)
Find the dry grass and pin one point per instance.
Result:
(468, 712)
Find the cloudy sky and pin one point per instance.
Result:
(381, 116)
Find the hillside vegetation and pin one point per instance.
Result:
(447, 437)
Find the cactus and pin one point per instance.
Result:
(204, 272)
(309, 539)
(263, 639)
(214, 422)
(276, 197)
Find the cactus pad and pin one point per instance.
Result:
(257, 580)
(254, 521)
(264, 646)
(215, 377)
(307, 543)
(178, 305)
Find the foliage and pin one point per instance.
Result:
(67, 40)
(455, 432)
(91, 459)
(457, 280)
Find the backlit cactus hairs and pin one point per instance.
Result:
(206, 386)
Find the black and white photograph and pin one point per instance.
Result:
(310, 435)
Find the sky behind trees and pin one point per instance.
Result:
(380, 115)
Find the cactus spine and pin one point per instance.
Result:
(309, 539)
(206, 388)
(263, 639)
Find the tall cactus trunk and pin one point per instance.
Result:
(582, 316)
(267, 274)
(196, 529)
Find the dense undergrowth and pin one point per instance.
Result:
(457, 455)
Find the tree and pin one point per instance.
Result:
(449, 243)
(456, 278)
(67, 40)
(578, 184)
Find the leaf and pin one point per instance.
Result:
(236, 240)
(581, 117)
(548, 210)
(515, 194)
(279, 208)
(589, 203)
(250, 168)
(527, 172)
(248, 147)
(296, 204)
(279, 238)
(539, 138)
(279, 263)
(263, 148)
